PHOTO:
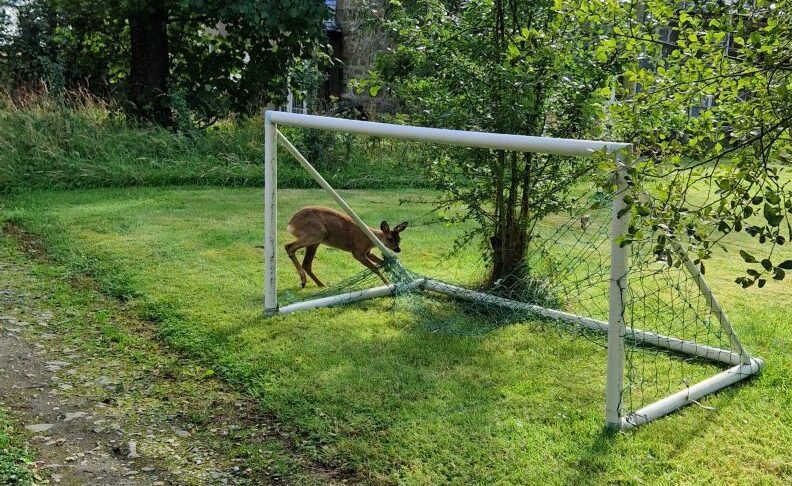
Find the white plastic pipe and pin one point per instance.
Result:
(616, 301)
(712, 302)
(474, 296)
(692, 394)
(520, 143)
(677, 345)
(348, 297)
(270, 218)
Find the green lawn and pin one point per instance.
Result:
(365, 389)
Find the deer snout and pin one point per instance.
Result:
(397, 249)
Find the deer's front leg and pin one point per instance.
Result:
(374, 258)
(364, 259)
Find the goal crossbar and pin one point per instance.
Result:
(743, 365)
(518, 143)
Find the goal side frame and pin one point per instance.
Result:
(742, 364)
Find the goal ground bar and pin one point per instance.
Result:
(677, 345)
(639, 417)
(349, 297)
(692, 394)
(644, 337)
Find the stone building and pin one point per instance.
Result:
(355, 43)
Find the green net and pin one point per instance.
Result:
(566, 279)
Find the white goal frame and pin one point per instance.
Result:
(742, 364)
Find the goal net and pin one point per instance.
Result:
(667, 341)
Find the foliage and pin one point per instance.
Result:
(224, 56)
(59, 48)
(81, 141)
(706, 98)
(702, 89)
(504, 66)
(35, 23)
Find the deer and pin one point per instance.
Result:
(315, 225)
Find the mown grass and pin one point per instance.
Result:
(81, 142)
(363, 388)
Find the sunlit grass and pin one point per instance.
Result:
(364, 389)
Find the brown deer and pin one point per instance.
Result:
(315, 225)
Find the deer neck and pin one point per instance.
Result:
(378, 233)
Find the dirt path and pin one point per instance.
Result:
(104, 404)
(67, 431)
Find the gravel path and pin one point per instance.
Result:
(73, 442)
(104, 403)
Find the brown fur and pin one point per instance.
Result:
(314, 225)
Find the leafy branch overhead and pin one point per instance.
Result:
(703, 90)
(706, 97)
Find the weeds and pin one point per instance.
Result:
(78, 141)
(15, 458)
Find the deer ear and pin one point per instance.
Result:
(400, 227)
(385, 227)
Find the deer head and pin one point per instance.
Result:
(391, 237)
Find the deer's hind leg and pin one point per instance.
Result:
(310, 253)
(374, 258)
(291, 250)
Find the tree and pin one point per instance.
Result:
(707, 98)
(507, 66)
(209, 56)
(149, 65)
(702, 89)
(30, 30)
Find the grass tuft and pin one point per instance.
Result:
(15, 457)
(82, 142)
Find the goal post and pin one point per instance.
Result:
(619, 327)
(270, 217)
(620, 220)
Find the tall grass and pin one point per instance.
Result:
(78, 141)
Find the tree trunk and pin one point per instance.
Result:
(508, 251)
(150, 63)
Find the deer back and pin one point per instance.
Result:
(330, 227)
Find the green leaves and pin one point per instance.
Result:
(707, 97)
(747, 257)
(534, 75)
(773, 215)
(81, 44)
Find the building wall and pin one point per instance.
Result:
(360, 42)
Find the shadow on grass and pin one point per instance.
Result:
(365, 373)
(600, 461)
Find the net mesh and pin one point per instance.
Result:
(567, 269)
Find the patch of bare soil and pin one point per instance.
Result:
(105, 404)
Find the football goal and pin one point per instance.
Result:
(664, 339)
